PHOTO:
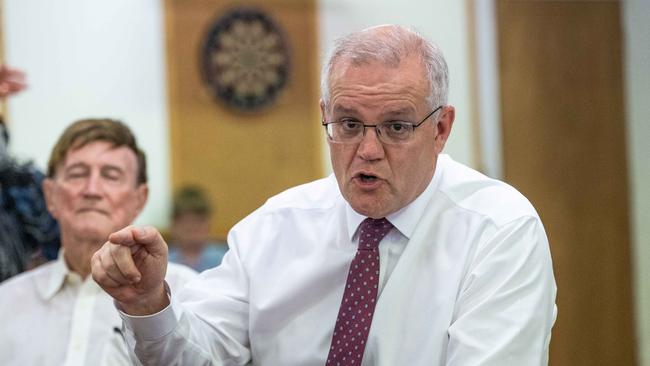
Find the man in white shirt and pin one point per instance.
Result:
(56, 314)
(465, 274)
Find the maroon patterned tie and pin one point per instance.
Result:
(358, 303)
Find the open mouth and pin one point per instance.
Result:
(367, 178)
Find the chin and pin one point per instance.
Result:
(370, 210)
(368, 204)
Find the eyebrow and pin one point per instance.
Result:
(397, 112)
(344, 110)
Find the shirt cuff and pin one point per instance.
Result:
(154, 326)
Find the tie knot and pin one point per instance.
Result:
(371, 231)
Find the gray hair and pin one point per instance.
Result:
(389, 44)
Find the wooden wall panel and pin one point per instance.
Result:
(564, 147)
(242, 158)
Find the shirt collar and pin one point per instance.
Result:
(405, 219)
(59, 276)
(56, 277)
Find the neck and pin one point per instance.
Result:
(77, 254)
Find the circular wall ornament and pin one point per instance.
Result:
(245, 59)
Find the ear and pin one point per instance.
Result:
(49, 188)
(142, 194)
(445, 122)
(322, 110)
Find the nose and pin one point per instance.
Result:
(370, 148)
(93, 187)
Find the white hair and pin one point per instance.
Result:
(389, 44)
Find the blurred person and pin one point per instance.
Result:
(56, 314)
(11, 80)
(28, 233)
(401, 257)
(190, 230)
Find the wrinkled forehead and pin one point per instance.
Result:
(377, 82)
(409, 70)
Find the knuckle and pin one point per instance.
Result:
(115, 250)
(99, 276)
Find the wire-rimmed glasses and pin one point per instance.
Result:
(350, 131)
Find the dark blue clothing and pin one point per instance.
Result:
(26, 227)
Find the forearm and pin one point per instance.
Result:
(173, 347)
(175, 336)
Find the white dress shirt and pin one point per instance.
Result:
(465, 279)
(50, 316)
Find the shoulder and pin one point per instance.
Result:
(305, 202)
(319, 194)
(26, 284)
(474, 192)
(289, 217)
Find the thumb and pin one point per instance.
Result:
(149, 238)
(146, 237)
(124, 236)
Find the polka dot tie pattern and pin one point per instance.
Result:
(358, 303)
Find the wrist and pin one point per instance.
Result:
(144, 305)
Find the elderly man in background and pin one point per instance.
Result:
(401, 257)
(56, 314)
